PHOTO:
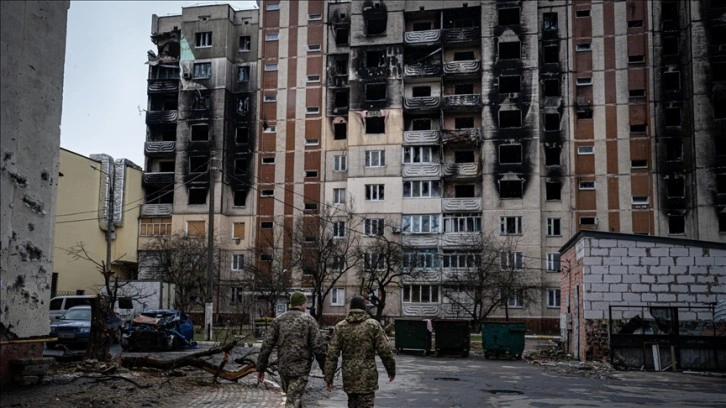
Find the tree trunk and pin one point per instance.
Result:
(99, 341)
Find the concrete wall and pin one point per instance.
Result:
(32, 44)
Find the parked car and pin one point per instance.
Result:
(161, 329)
(60, 304)
(74, 327)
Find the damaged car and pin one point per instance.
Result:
(162, 329)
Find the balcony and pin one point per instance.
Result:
(461, 34)
(460, 170)
(420, 240)
(421, 137)
(462, 102)
(159, 149)
(161, 117)
(421, 70)
(462, 67)
(470, 135)
(156, 210)
(159, 179)
(425, 37)
(421, 170)
(462, 204)
(163, 85)
(459, 239)
(422, 103)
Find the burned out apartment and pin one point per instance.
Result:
(438, 124)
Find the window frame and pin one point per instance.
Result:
(374, 227)
(337, 297)
(375, 192)
(339, 195)
(373, 156)
(554, 296)
(504, 222)
(552, 262)
(554, 227)
(203, 39)
(340, 163)
(197, 73)
(415, 223)
(237, 262)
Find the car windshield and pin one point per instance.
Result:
(80, 314)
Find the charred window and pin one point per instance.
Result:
(464, 56)
(198, 164)
(340, 131)
(166, 167)
(674, 150)
(510, 188)
(375, 124)
(421, 124)
(197, 195)
(464, 89)
(669, 10)
(375, 16)
(719, 106)
(464, 123)
(421, 91)
(721, 184)
(240, 166)
(464, 191)
(375, 59)
(676, 224)
(341, 35)
(240, 198)
(245, 43)
(670, 45)
(375, 26)
(675, 187)
(160, 196)
(553, 191)
(551, 87)
(718, 71)
(720, 147)
(200, 133)
(672, 116)
(551, 52)
(549, 21)
(552, 155)
(722, 222)
(242, 136)
(422, 26)
(376, 92)
(508, 16)
(672, 81)
(510, 154)
(341, 66)
(340, 100)
(510, 84)
(464, 156)
(510, 118)
(552, 121)
(509, 50)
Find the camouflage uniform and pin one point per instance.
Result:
(359, 338)
(298, 339)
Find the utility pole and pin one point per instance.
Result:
(208, 306)
(109, 219)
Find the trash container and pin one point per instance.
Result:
(452, 337)
(503, 339)
(412, 335)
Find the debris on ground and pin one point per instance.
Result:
(553, 358)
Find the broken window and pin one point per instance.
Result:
(719, 107)
(200, 101)
(243, 74)
(588, 221)
(721, 184)
(635, 24)
(166, 167)
(672, 116)
(510, 154)
(375, 26)
(670, 45)
(552, 155)
(553, 191)
(551, 87)
(311, 173)
(341, 66)
(464, 123)
(551, 52)
(464, 156)
(341, 35)
(242, 135)
(245, 43)
(198, 164)
(203, 70)
(639, 164)
(722, 222)
(341, 99)
(636, 59)
(675, 187)
(549, 21)
(672, 81)
(510, 118)
(509, 50)
(464, 89)
(199, 133)
(464, 56)
(508, 16)
(676, 224)
(240, 166)
(510, 84)
(419, 91)
(202, 40)
(421, 124)
(669, 10)
(376, 92)
(718, 71)
(375, 124)
(464, 190)
(422, 26)
(340, 131)
(197, 195)
(375, 59)
(639, 128)
(240, 198)
(552, 121)
(636, 93)
(310, 207)
(582, 13)
(674, 150)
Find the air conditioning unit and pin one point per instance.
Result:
(396, 230)
(597, 221)
(187, 75)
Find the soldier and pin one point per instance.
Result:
(297, 338)
(359, 338)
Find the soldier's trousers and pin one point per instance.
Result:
(361, 400)
(294, 388)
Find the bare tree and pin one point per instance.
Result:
(266, 276)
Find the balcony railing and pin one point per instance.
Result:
(422, 37)
(421, 240)
(159, 179)
(161, 117)
(459, 239)
(422, 103)
(458, 102)
(461, 34)
(421, 137)
(159, 149)
(420, 69)
(163, 85)
(156, 210)
(462, 67)
(462, 204)
(460, 169)
(470, 135)
(421, 170)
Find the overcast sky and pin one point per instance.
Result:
(104, 90)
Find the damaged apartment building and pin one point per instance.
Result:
(440, 123)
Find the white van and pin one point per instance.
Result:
(124, 308)
(59, 304)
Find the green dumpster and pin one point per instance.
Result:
(452, 337)
(503, 339)
(412, 335)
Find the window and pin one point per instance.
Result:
(340, 131)
(198, 164)
(635, 24)
(243, 74)
(510, 188)
(462, 223)
(315, 16)
(420, 259)
(510, 154)
(636, 93)
(337, 297)
(464, 156)
(588, 221)
(375, 92)
(375, 58)
(510, 118)
(464, 123)
(341, 35)
(265, 257)
(270, 67)
(375, 158)
(420, 294)
(553, 262)
(310, 206)
(463, 89)
(311, 142)
(510, 84)
(373, 226)
(199, 133)
(269, 98)
(672, 116)
(150, 227)
(375, 124)
(549, 21)
(511, 260)
(341, 100)
(267, 193)
(640, 200)
(266, 224)
(420, 224)
(312, 110)
(510, 225)
(245, 42)
(464, 56)
(195, 228)
(421, 189)
(375, 26)
(551, 87)
(272, 36)
(551, 53)
(675, 187)
(422, 26)
(311, 173)
(553, 190)
(586, 185)
(374, 192)
(268, 160)
(674, 150)
(583, 47)
(636, 59)
(420, 91)
(672, 81)
(202, 40)
(313, 78)
(509, 50)
(508, 16)
(340, 163)
(461, 260)
(639, 164)
(238, 262)
(553, 298)
(418, 154)
(515, 299)
(583, 13)
(642, 128)
(240, 198)
(240, 166)
(338, 196)
(313, 47)
(420, 124)
(203, 70)
(670, 45)
(585, 150)
(676, 224)
(337, 263)
(553, 227)
(272, 6)
(552, 154)
(338, 229)
(584, 81)
(372, 260)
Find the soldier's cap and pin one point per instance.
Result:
(297, 299)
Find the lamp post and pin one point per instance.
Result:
(209, 306)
